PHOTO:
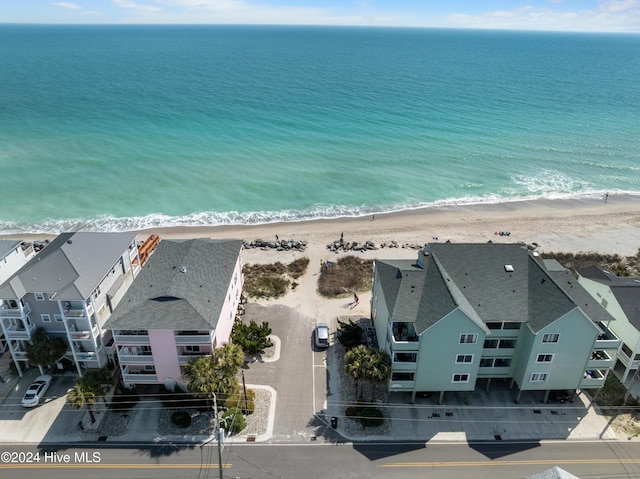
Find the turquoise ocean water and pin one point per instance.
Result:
(126, 127)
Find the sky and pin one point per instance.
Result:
(558, 15)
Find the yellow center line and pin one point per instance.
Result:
(512, 463)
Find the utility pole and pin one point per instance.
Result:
(244, 387)
(215, 410)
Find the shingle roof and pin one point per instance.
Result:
(183, 285)
(7, 246)
(71, 266)
(625, 289)
(489, 282)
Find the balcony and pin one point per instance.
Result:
(403, 366)
(14, 332)
(20, 355)
(86, 356)
(76, 309)
(80, 334)
(126, 359)
(607, 340)
(131, 338)
(401, 385)
(139, 378)
(183, 359)
(600, 360)
(593, 379)
(206, 338)
(9, 312)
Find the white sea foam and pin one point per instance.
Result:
(209, 218)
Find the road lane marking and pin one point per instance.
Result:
(512, 463)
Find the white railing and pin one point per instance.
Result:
(194, 339)
(140, 378)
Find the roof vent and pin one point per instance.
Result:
(508, 268)
(69, 242)
(183, 269)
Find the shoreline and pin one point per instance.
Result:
(569, 225)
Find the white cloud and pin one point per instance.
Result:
(611, 16)
(69, 5)
(137, 6)
(619, 5)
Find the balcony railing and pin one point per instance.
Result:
(86, 356)
(13, 332)
(140, 378)
(135, 358)
(600, 360)
(194, 338)
(404, 366)
(401, 385)
(185, 358)
(133, 339)
(607, 340)
(7, 312)
(592, 379)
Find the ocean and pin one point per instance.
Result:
(129, 127)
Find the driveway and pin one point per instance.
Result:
(299, 376)
(51, 419)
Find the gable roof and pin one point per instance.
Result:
(183, 285)
(7, 246)
(625, 289)
(71, 266)
(487, 281)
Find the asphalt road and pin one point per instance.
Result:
(322, 461)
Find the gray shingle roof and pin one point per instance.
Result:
(625, 289)
(489, 282)
(72, 266)
(7, 246)
(183, 285)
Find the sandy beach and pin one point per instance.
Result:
(555, 225)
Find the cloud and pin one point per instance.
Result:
(69, 5)
(610, 16)
(137, 6)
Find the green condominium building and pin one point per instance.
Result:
(463, 315)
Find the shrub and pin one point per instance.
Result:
(237, 401)
(349, 334)
(252, 338)
(297, 267)
(181, 418)
(371, 417)
(233, 420)
(351, 411)
(347, 275)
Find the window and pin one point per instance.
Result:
(405, 357)
(468, 338)
(507, 344)
(460, 378)
(39, 296)
(502, 363)
(486, 363)
(544, 358)
(511, 325)
(402, 376)
(192, 349)
(490, 344)
(550, 338)
(57, 318)
(493, 325)
(464, 358)
(539, 377)
(45, 318)
(604, 303)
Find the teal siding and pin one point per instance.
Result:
(439, 346)
(570, 353)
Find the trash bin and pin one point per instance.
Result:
(334, 422)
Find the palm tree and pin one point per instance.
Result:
(202, 377)
(379, 370)
(44, 351)
(82, 395)
(357, 363)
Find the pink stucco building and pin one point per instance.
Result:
(183, 304)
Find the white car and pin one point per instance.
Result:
(322, 335)
(36, 391)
